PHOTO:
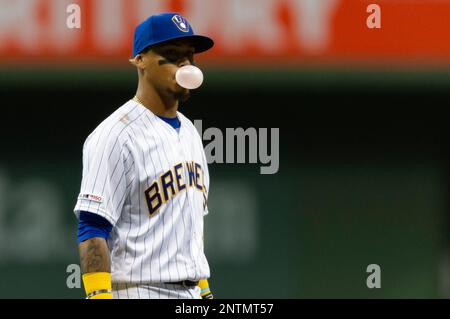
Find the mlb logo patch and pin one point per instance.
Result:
(181, 23)
(94, 198)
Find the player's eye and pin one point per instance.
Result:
(175, 56)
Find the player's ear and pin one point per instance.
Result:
(138, 61)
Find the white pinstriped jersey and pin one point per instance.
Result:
(151, 183)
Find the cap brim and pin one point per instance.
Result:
(200, 43)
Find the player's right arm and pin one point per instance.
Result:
(96, 268)
(95, 261)
(99, 206)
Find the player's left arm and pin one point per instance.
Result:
(205, 291)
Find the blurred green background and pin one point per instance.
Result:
(363, 180)
(364, 151)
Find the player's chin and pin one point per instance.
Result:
(181, 95)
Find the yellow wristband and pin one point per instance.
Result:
(98, 282)
(205, 291)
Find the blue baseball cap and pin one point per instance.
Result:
(164, 27)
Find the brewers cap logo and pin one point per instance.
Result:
(181, 23)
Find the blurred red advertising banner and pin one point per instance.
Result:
(246, 32)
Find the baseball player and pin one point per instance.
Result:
(145, 180)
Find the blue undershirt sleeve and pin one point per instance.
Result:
(92, 225)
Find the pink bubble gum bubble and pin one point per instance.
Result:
(189, 76)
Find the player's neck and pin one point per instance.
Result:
(157, 104)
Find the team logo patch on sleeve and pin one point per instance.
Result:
(94, 198)
(181, 23)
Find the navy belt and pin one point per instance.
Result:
(184, 283)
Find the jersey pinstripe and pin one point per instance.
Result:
(151, 183)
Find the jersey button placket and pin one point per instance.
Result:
(185, 156)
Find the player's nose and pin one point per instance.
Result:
(184, 62)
